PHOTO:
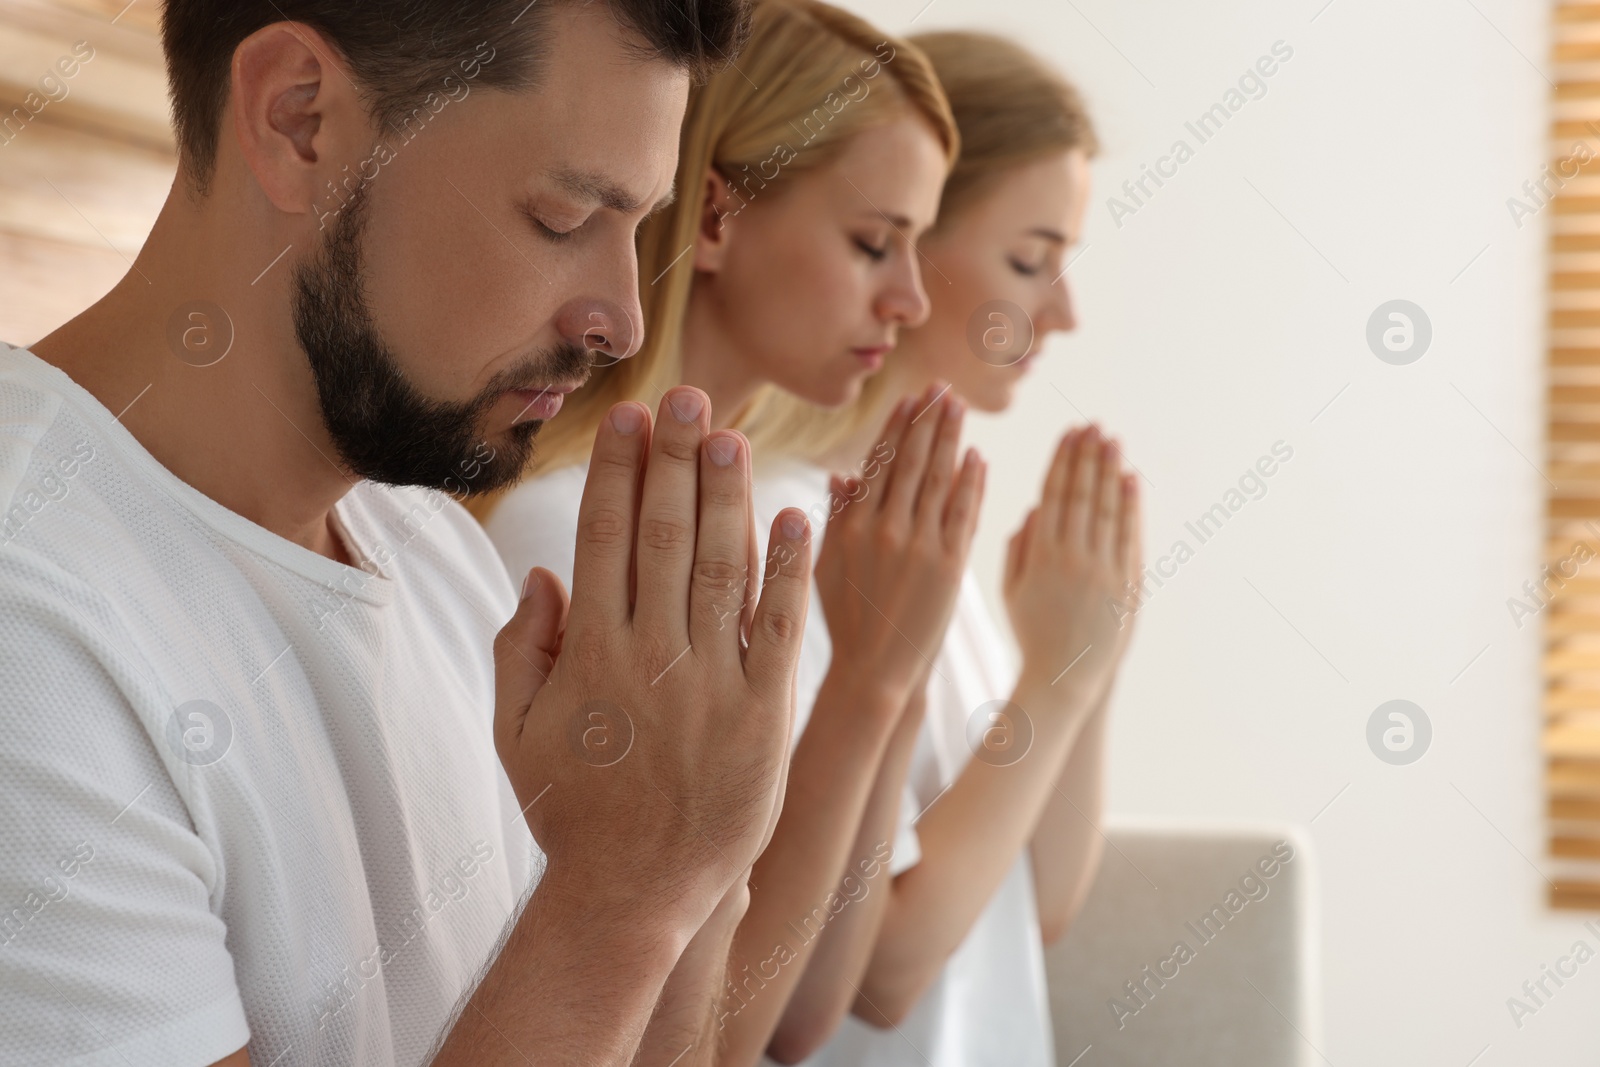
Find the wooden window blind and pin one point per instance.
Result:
(1571, 583)
(85, 160)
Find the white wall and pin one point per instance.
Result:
(1211, 328)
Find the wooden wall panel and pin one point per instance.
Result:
(83, 176)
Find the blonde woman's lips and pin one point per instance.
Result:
(872, 357)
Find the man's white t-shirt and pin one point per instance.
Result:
(247, 793)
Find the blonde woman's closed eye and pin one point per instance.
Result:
(874, 252)
(1025, 269)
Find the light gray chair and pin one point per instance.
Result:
(1243, 992)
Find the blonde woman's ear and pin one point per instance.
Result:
(721, 207)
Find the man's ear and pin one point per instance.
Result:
(716, 222)
(296, 113)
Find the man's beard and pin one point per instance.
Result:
(384, 429)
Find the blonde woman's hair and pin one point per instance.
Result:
(1012, 108)
(810, 77)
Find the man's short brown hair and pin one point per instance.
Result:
(402, 50)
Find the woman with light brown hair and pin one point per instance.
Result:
(788, 266)
(1007, 769)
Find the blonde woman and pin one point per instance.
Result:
(1008, 764)
(788, 263)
